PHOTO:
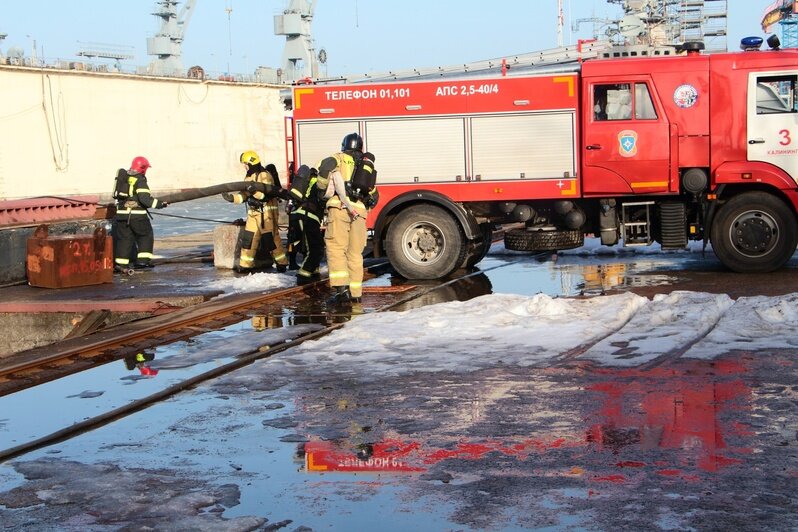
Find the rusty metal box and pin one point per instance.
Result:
(69, 260)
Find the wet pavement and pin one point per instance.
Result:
(442, 424)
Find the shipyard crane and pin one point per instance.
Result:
(167, 43)
(785, 14)
(299, 58)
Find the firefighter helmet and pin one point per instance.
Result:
(352, 142)
(250, 158)
(139, 165)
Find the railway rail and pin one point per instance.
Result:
(306, 303)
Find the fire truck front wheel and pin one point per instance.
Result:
(754, 232)
(425, 242)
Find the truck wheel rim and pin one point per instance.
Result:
(754, 233)
(424, 243)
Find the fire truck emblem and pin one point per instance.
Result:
(627, 141)
(685, 96)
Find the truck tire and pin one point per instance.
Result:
(754, 232)
(541, 240)
(425, 242)
(478, 252)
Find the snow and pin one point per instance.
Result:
(753, 324)
(254, 282)
(619, 330)
(666, 324)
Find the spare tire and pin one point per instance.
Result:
(542, 240)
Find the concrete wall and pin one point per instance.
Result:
(66, 133)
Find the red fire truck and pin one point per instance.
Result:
(648, 149)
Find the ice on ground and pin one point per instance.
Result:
(669, 323)
(130, 498)
(753, 324)
(254, 282)
(208, 348)
(461, 336)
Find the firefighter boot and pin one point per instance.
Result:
(341, 297)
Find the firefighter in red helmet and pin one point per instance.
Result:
(132, 227)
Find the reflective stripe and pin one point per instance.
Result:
(140, 358)
(279, 257)
(339, 274)
(144, 255)
(304, 273)
(143, 190)
(246, 259)
(122, 261)
(312, 216)
(355, 284)
(132, 211)
(296, 193)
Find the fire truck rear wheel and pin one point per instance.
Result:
(479, 251)
(754, 232)
(531, 240)
(425, 242)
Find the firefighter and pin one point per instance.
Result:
(309, 209)
(345, 236)
(261, 230)
(293, 239)
(132, 227)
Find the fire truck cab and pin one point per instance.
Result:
(635, 150)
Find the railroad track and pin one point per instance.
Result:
(78, 355)
(40, 365)
(37, 366)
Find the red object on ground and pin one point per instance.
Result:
(69, 260)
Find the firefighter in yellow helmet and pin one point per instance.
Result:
(345, 236)
(262, 212)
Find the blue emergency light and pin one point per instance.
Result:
(751, 43)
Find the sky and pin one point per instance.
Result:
(359, 36)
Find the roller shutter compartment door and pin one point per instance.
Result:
(430, 149)
(317, 140)
(539, 146)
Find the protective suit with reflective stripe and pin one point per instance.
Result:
(345, 235)
(308, 212)
(132, 227)
(261, 228)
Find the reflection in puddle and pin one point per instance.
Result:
(674, 422)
